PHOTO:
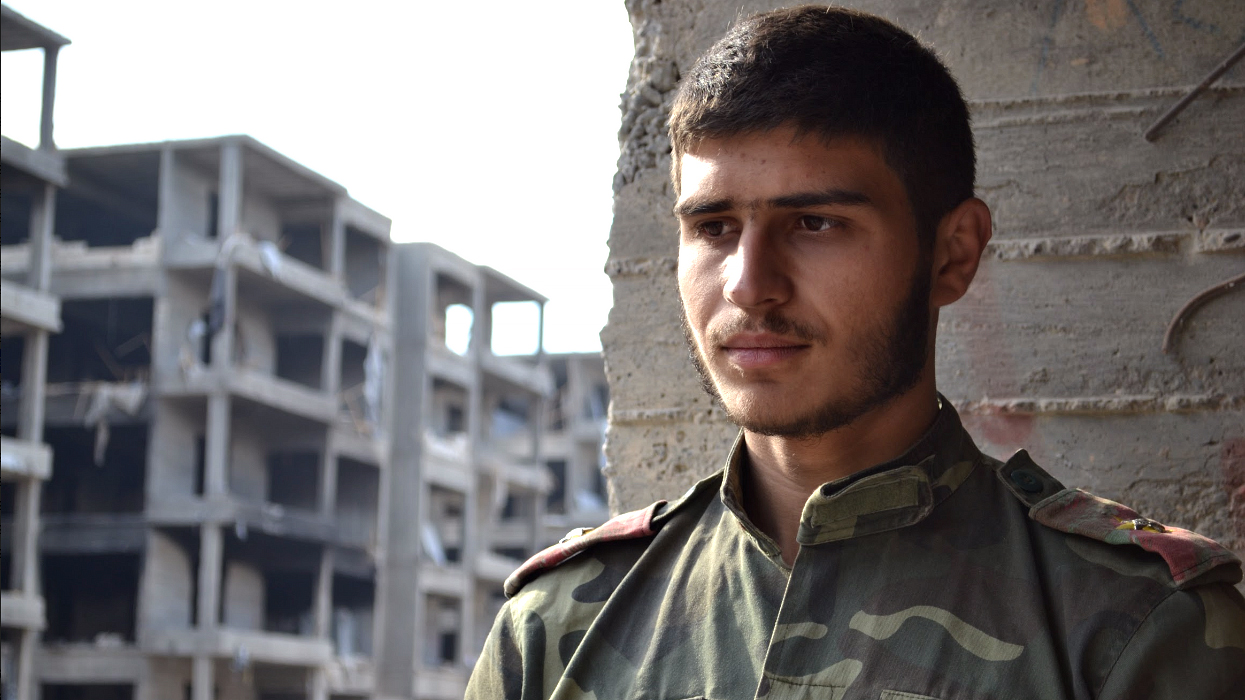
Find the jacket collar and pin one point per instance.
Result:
(888, 496)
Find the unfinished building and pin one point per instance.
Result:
(29, 314)
(468, 468)
(575, 431)
(218, 411)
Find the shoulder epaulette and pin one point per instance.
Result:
(637, 523)
(1187, 554)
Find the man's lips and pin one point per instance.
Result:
(753, 351)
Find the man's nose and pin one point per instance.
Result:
(757, 274)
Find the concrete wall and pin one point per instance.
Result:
(244, 597)
(166, 585)
(260, 217)
(255, 345)
(175, 431)
(248, 462)
(187, 209)
(1100, 237)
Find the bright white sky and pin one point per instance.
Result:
(486, 127)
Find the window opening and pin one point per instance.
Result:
(90, 598)
(300, 358)
(556, 499)
(293, 479)
(303, 242)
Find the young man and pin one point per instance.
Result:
(856, 543)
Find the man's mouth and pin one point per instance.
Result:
(759, 350)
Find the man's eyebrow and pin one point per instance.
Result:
(696, 207)
(824, 197)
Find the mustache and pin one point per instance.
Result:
(772, 322)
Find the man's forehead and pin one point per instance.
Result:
(752, 170)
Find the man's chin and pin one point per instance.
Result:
(773, 418)
(778, 413)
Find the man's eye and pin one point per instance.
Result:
(710, 229)
(817, 223)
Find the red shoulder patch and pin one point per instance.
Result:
(1188, 554)
(637, 523)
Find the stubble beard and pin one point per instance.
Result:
(889, 362)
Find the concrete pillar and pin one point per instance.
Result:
(34, 379)
(328, 477)
(25, 558)
(223, 340)
(1100, 237)
(166, 193)
(46, 141)
(211, 558)
(229, 189)
(202, 679)
(31, 410)
(330, 371)
(26, 686)
(216, 448)
(473, 518)
(323, 610)
(42, 230)
(319, 687)
(335, 261)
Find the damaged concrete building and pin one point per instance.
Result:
(195, 417)
(575, 433)
(251, 449)
(218, 415)
(29, 314)
(469, 465)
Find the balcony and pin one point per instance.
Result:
(46, 165)
(494, 567)
(24, 308)
(347, 442)
(262, 265)
(265, 518)
(86, 534)
(350, 675)
(446, 364)
(441, 580)
(260, 388)
(440, 683)
(519, 473)
(91, 663)
(24, 459)
(452, 449)
(261, 647)
(82, 271)
(535, 379)
(22, 610)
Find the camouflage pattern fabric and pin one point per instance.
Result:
(944, 574)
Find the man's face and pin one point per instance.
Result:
(804, 290)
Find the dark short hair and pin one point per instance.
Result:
(834, 72)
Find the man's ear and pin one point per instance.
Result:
(961, 238)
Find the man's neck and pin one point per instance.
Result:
(783, 472)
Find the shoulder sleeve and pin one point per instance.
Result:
(1190, 647)
(627, 526)
(1191, 559)
(511, 665)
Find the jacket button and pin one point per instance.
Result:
(1026, 481)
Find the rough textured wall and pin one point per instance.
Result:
(1100, 238)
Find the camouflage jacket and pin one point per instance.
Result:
(943, 574)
